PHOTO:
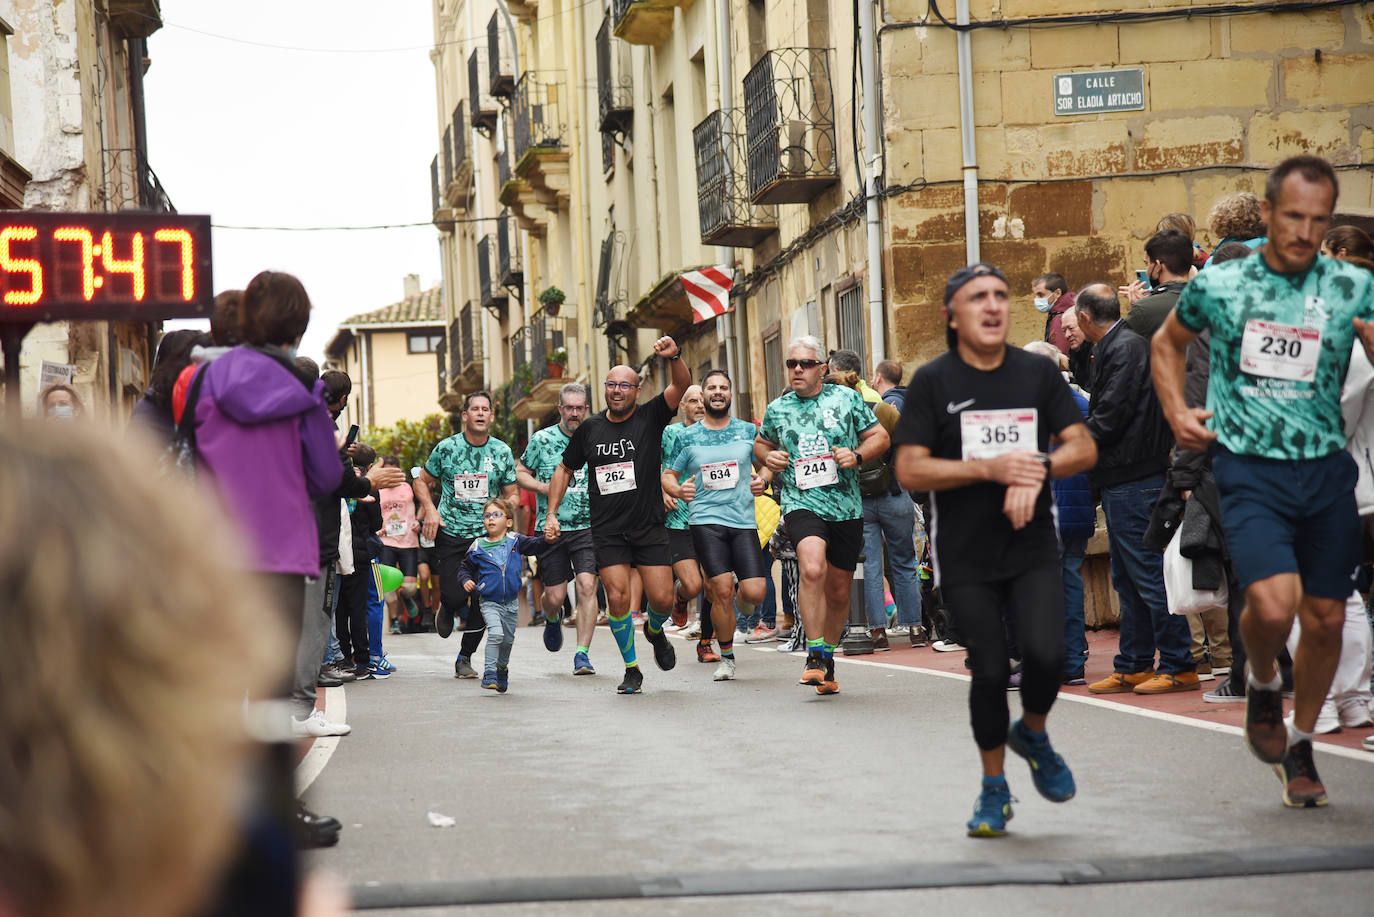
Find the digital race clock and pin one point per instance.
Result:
(123, 265)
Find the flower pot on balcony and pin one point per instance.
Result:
(555, 370)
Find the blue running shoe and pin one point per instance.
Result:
(582, 664)
(553, 635)
(382, 662)
(1052, 776)
(502, 680)
(489, 680)
(992, 811)
(377, 670)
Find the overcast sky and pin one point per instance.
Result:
(268, 136)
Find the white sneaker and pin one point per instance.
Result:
(946, 646)
(899, 630)
(315, 726)
(1355, 713)
(725, 671)
(1368, 743)
(692, 631)
(1328, 720)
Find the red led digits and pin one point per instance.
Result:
(133, 265)
(83, 237)
(13, 265)
(188, 276)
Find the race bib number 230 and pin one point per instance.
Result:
(1280, 351)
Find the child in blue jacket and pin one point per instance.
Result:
(492, 567)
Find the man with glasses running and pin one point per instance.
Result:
(622, 449)
(712, 469)
(814, 438)
(573, 555)
(471, 468)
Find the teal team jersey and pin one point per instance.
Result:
(1280, 348)
(676, 519)
(542, 456)
(721, 462)
(469, 476)
(808, 429)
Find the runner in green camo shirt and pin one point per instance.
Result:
(541, 457)
(814, 438)
(1282, 324)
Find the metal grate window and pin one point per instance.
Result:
(773, 377)
(851, 322)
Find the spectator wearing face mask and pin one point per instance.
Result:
(1051, 296)
(61, 402)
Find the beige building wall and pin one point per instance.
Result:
(389, 382)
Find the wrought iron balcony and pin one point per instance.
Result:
(510, 269)
(488, 280)
(443, 217)
(469, 340)
(460, 140)
(434, 184)
(614, 91)
(458, 186)
(440, 352)
(538, 117)
(790, 126)
(521, 375)
(611, 296)
(548, 333)
(503, 173)
(726, 215)
(448, 156)
(644, 22)
(483, 106)
(501, 70)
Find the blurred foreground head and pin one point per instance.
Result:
(123, 755)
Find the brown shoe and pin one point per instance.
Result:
(1120, 682)
(1302, 788)
(879, 637)
(1165, 683)
(1265, 731)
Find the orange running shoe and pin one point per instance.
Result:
(706, 654)
(815, 670)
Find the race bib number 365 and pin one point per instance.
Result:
(615, 478)
(470, 488)
(1280, 351)
(988, 434)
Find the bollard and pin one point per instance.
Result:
(856, 640)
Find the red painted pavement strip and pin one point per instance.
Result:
(1102, 646)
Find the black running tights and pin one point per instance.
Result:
(1036, 600)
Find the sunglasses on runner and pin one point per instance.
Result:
(804, 364)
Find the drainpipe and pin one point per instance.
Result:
(730, 320)
(868, 57)
(961, 39)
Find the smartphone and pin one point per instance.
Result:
(352, 437)
(1142, 277)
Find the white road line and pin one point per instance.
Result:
(322, 749)
(1354, 754)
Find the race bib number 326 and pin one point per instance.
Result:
(988, 434)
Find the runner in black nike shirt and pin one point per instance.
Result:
(621, 448)
(976, 431)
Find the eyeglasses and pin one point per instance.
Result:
(496, 515)
(804, 364)
(621, 386)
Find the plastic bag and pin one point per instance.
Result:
(1178, 584)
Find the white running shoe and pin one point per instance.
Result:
(315, 726)
(946, 646)
(725, 671)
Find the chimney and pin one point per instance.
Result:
(412, 285)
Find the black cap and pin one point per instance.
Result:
(956, 282)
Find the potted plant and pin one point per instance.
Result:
(552, 300)
(558, 363)
(523, 379)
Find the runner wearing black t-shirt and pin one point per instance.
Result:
(975, 431)
(622, 449)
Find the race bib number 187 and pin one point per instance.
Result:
(470, 488)
(988, 434)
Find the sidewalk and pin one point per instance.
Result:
(1101, 649)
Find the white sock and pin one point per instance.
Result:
(1296, 735)
(1254, 682)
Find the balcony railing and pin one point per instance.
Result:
(510, 270)
(615, 92)
(538, 118)
(611, 297)
(483, 106)
(547, 334)
(725, 213)
(448, 156)
(503, 173)
(440, 351)
(644, 22)
(501, 71)
(434, 185)
(468, 339)
(460, 139)
(488, 280)
(521, 379)
(790, 126)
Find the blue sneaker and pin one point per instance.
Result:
(553, 635)
(502, 680)
(382, 662)
(582, 664)
(1052, 776)
(992, 811)
(377, 669)
(489, 680)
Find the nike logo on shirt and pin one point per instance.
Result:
(956, 408)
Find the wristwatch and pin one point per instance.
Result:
(1044, 459)
(676, 356)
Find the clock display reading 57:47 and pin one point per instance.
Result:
(136, 266)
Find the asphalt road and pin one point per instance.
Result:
(726, 782)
